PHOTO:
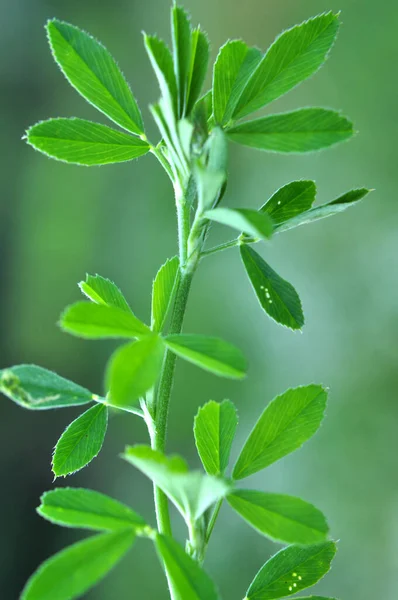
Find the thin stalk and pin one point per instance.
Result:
(212, 521)
(220, 248)
(163, 397)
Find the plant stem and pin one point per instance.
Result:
(162, 399)
(220, 248)
(213, 520)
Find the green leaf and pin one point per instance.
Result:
(134, 369)
(81, 441)
(85, 143)
(187, 579)
(294, 56)
(162, 63)
(209, 184)
(72, 572)
(287, 422)
(279, 517)
(163, 290)
(92, 71)
(214, 430)
(252, 222)
(97, 321)
(304, 130)
(192, 492)
(325, 210)
(234, 65)
(209, 353)
(277, 296)
(39, 389)
(291, 570)
(290, 200)
(86, 509)
(217, 151)
(198, 68)
(103, 291)
(181, 38)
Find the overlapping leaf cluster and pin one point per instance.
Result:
(193, 150)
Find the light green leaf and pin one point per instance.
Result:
(86, 509)
(325, 210)
(277, 296)
(81, 441)
(216, 148)
(192, 492)
(304, 130)
(97, 321)
(103, 291)
(214, 430)
(198, 67)
(72, 572)
(280, 517)
(209, 353)
(209, 184)
(294, 56)
(187, 579)
(162, 63)
(181, 38)
(252, 222)
(134, 369)
(287, 422)
(39, 389)
(92, 71)
(83, 142)
(291, 570)
(234, 65)
(290, 200)
(163, 290)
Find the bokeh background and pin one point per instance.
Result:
(58, 221)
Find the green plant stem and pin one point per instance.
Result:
(163, 397)
(212, 521)
(220, 248)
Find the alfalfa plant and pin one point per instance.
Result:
(193, 150)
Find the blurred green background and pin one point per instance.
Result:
(59, 221)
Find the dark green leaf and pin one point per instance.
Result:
(287, 422)
(209, 353)
(303, 130)
(39, 389)
(198, 67)
(252, 222)
(290, 200)
(200, 117)
(291, 570)
(134, 369)
(214, 430)
(162, 63)
(192, 492)
(71, 572)
(163, 290)
(326, 210)
(82, 142)
(280, 517)
(86, 509)
(92, 71)
(276, 295)
(181, 37)
(293, 57)
(234, 66)
(103, 291)
(187, 579)
(96, 321)
(81, 441)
